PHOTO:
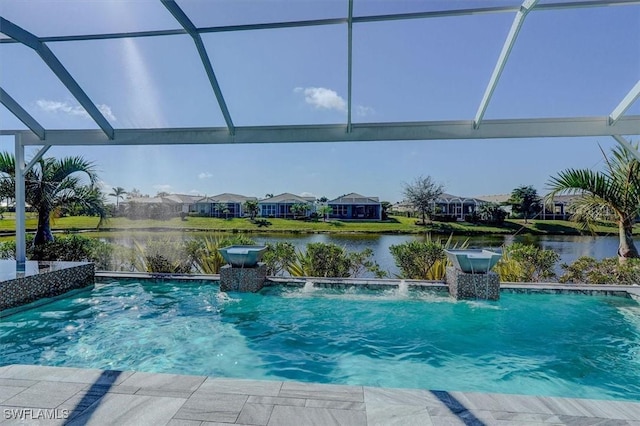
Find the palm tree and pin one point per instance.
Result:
(252, 207)
(492, 213)
(53, 183)
(613, 194)
(118, 192)
(298, 209)
(325, 211)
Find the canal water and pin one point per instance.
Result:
(569, 247)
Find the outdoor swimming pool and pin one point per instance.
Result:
(575, 346)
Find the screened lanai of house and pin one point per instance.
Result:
(233, 72)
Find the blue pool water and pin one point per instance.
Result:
(576, 346)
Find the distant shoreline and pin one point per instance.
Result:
(396, 225)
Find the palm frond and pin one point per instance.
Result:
(586, 182)
(59, 170)
(7, 163)
(300, 265)
(588, 210)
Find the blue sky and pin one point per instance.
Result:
(576, 62)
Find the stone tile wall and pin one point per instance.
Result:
(473, 286)
(49, 282)
(243, 279)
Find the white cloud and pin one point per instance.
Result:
(72, 110)
(106, 111)
(204, 175)
(363, 111)
(162, 187)
(322, 98)
(104, 186)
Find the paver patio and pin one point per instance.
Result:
(37, 395)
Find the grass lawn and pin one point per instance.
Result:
(396, 224)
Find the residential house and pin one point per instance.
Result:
(222, 205)
(279, 206)
(355, 206)
(455, 206)
(173, 204)
(500, 199)
(183, 203)
(560, 209)
(403, 208)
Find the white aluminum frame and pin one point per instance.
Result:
(614, 125)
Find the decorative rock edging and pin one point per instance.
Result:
(52, 279)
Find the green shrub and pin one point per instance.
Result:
(278, 257)
(492, 213)
(587, 270)
(526, 263)
(416, 258)
(331, 260)
(163, 256)
(72, 248)
(424, 260)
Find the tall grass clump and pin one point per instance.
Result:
(163, 255)
(424, 260)
(204, 251)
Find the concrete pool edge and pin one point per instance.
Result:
(95, 397)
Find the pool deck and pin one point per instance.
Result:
(37, 395)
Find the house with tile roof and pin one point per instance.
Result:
(279, 206)
(222, 205)
(355, 206)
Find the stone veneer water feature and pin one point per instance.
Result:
(470, 277)
(41, 280)
(472, 286)
(244, 271)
